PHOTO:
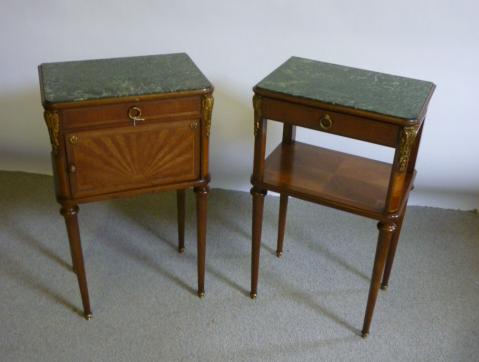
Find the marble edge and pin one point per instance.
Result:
(167, 94)
(57, 105)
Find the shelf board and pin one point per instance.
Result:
(333, 178)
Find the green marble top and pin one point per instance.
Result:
(120, 77)
(354, 88)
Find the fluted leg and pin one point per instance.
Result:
(258, 205)
(71, 220)
(386, 231)
(392, 252)
(283, 207)
(180, 203)
(201, 209)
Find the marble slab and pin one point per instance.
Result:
(120, 77)
(348, 87)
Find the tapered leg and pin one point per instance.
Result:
(74, 268)
(258, 204)
(180, 202)
(71, 220)
(392, 252)
(386, 231)
(201, 209)
(283, 207)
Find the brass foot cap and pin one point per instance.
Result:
(201, 294)
(279, 253)
(181, 250)
(252, 295)
(88, 316)
(384, 287)
(364, 334)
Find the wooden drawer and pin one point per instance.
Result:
(118, 114)
(115, 159)
(332, 122)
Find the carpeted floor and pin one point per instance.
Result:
(310, 303)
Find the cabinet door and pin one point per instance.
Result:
(117, 159)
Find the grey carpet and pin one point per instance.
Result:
(310, 303)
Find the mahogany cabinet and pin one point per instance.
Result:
(123, 127)
(374, 107)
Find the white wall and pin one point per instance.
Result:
(236, 44)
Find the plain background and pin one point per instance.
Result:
(236, 44)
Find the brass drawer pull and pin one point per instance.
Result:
(72, 168)
(134, 113)
(74, 140)
(326, 122)
(194, 125)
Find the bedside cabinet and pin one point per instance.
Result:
(374, 107)
(124, 127)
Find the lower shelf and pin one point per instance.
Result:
(336, 179)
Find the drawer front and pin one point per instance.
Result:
(121, 114)
(116, 159)
(364, 129)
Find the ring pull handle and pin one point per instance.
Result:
(134, 113)
(326, 122)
